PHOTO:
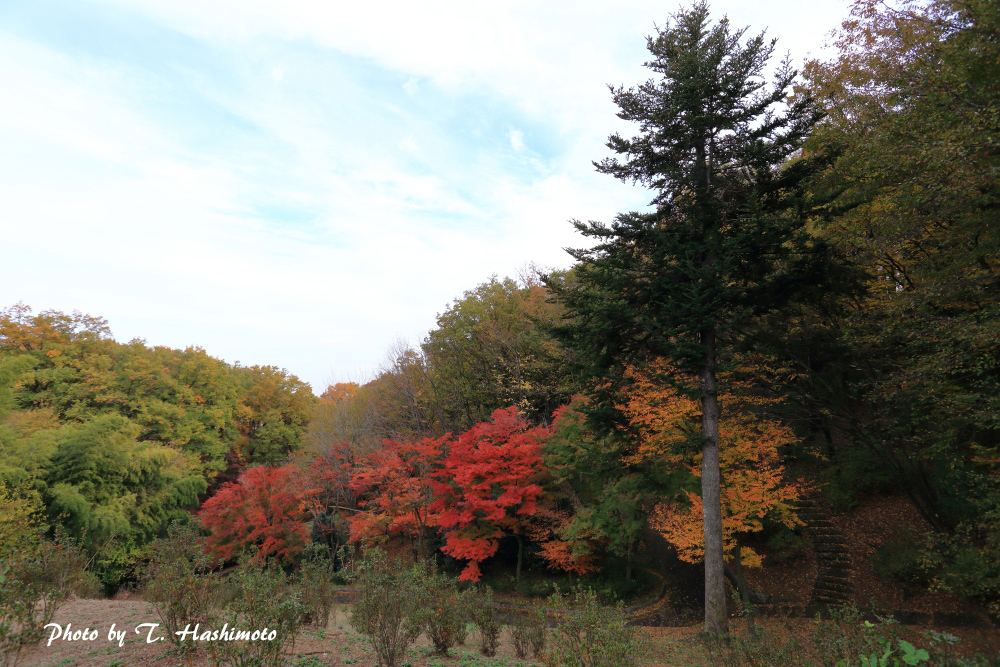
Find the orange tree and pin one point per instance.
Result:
(751, 446)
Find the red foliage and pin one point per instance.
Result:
(484, 488)
(266, 507)
(397, 490)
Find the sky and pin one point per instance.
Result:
(303, 183)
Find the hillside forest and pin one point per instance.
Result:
(807, 312)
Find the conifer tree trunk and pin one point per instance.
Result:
(716, 616)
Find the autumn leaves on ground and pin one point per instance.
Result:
(775, 393)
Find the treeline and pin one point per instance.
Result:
(109, 442)
(838, 269)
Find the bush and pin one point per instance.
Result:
(899, 558)
(536, 588)
(591, 635)
(484, 617)
(389, 606)
(528, 632)
(179, 584)
(943, 655)
(847, 636)
(255, 598)
(786, 545)
(444, 612)
(317, 587)
(762, 648)
(34, 582)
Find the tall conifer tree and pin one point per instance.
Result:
(719, 145)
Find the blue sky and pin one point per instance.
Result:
(301, 183)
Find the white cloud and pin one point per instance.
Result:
(516, 139)
(308, 224)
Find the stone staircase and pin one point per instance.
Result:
(833, 560)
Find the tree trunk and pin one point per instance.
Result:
(520, 557)
(716, 614)
(628, 564)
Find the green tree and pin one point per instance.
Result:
(491, 350)
(273, 412)
(913, 98)
(611, 491)
(719, 146)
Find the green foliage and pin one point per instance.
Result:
(490, 351)
(179, 583)
(846, 638)
(906, 371)
(967, 563)
(483, 615)
(272, 414)
(610, 489)
(317, 587)
(257, 598)
(761, 648)
(444, 612)
(589, 634)
(389, 607)
(528, 632)
(900, 557)
(785, 544)
(118, 440)
(34, 581)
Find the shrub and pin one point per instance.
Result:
(179, 584)
(317, 587)
(34, 582)
(388, 608)
(484, 617)
(847, 635)
(591, 635)
(444, 612)
(528, 632)
(255, 598)
(943, 655)
(762, 648)
(899, 557)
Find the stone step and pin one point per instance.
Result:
(828, 587)
(830, 602)
(834, 572)
(829, 539)
(831, 573)
(831, 549)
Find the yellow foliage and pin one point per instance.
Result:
(753, 483)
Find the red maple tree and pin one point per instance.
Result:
(396, 491)
(486, 488)
(266, 507)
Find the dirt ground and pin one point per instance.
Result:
(338, 644)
